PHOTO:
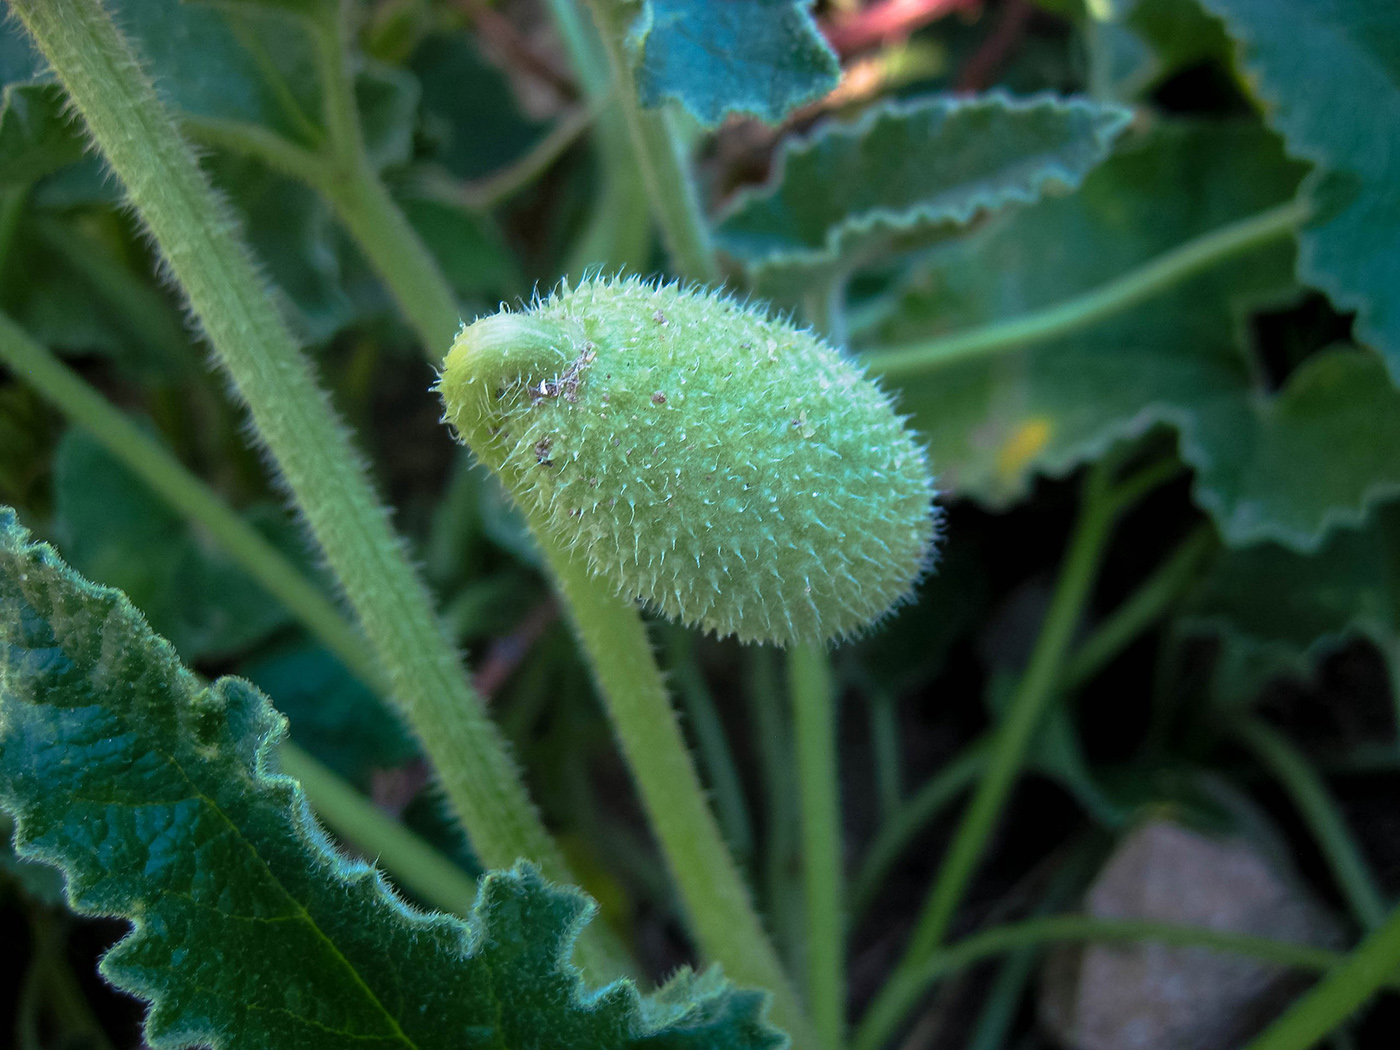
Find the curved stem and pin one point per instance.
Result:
(1319, 811)
(508, 349)
(363, 203)
(195, 235)
(658, 154)
(1081, 311)
(716, 900)
(889, 1010)
(1343, 991)
(814, 717)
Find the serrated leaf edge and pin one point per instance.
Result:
(652, 1013)
(894, 220)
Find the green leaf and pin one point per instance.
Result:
(244, 64)
(332, 713)
(762, 58)
(162, 802)
(906, 175)
(36, 135)
(1277, 611)
(119, 532)
(1284, 467)
(1329, 77)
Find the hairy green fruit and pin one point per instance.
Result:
(730, 469)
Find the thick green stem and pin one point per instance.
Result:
(1319, 811)
(658, 154)
(501, 349)
(899, 996)
(814, 717)
(195, 235)
(716, 900)
(1340, 994)
(1118, 295)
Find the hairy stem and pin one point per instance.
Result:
(899, 996)
(814, 717)
(657, 150)
(716, 900)
(196, 237)
(1319, 811)
(1118, 295)
(363, 203)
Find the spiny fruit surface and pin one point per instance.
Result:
(730, 469)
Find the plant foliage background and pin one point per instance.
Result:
(894, 180)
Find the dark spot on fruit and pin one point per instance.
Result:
(660, 318)
(658, 398)
(542, 447)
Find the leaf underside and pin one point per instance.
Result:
(161, 801)
(762, 58)
(906, 175)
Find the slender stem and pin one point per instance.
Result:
(912, 817)
(486, 193)
(1017, 727)
(363, 203)
(343, 175)
(715, 754)
(196, 236)
(716, 900)
(414, 864)
(885, 1016)
(658, 154)
(1319, 811)
(815, 718)
(188, 495)
(780, 863)
(397, 253)
(1146, 604)
(1343, 991)
(1081, 311)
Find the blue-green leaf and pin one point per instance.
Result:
(905, 175)
(36, 135)
(162, 802)
(1328, 74)
(763, 58)
(1277, 611)
(118, 531)
(1285, 466)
